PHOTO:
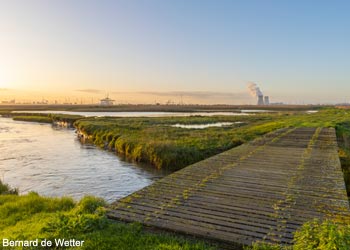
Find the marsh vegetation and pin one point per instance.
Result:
(30, 217)
(159, 142)
(155, 141)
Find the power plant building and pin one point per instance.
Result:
(260, 100)
(255, 91)
(263, 100)
(266, 100)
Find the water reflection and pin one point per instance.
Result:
(203, 126)
(136, 114)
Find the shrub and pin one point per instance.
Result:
(6, 189)
(323, 235)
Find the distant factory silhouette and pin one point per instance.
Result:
(255, 91)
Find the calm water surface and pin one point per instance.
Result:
(204, 126)
(135, 114)
(53, 162)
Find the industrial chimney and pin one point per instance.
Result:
(255, 91)
(267, 100)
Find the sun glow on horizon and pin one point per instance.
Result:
(5, 81)
(3, 85)
(132, 50)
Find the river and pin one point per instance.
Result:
(138, 114)
(52, 161)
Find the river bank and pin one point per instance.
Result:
(175, 142)
(50, 218)
(62, 120)
(172, 143)
(53, 162)
(159, 108)
(32, 217)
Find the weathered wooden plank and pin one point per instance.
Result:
(264, 189)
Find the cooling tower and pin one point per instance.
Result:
(260, 100)
(266, 100)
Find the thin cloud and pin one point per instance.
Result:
(200, 97)
(3, 89)
(193, 94)
(90, 91)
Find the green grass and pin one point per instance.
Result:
(154, 141)
(315, 235)
(65, 118)
(41, 119)
(323, 235)
(343, 135)
(6, 189)
(30, 217)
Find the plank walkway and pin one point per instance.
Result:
(263, 190)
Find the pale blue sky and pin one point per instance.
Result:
(297, 51)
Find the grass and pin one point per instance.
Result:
(343, 135)
(154, 141)
(326, 234)
(41, 119)
(6, 189)
(138, 133)
(31, 217)
(316, 234)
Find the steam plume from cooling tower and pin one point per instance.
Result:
(254, 90)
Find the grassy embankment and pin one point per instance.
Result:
(30, 217)
(343, 135)
(153, 140)
(33, 118)
(42, 118)
(315, 235)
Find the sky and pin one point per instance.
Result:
(189, 51)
